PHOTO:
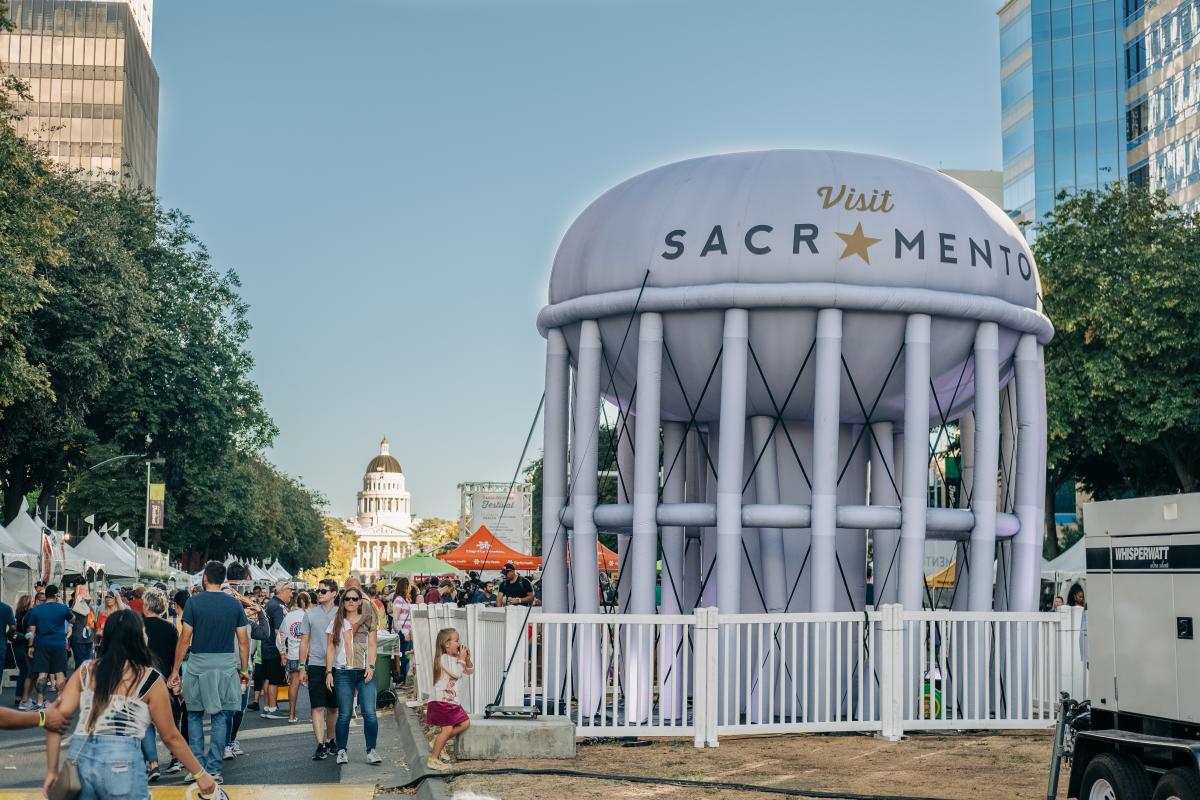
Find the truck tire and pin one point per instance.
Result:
(1178, 784)
(1114, 777)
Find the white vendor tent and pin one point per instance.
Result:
(26, 531)
(277, 572)
(1069, 567)
(78, 564)
(17, 568)
(118, 563)
(259, 574)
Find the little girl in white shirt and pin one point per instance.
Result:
(452, 660)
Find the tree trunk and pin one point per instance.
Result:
(1050, 540)
(1183, 471)
(14, 491)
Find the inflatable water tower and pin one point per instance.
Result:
(785, 333)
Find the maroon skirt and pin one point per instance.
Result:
(444, 714)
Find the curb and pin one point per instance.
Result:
(416, 751)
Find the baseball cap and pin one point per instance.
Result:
(509, 566)
(281, 585)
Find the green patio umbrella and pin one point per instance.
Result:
(420, 564)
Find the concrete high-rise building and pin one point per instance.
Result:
(94, 86)
(1162, 96)
(1099, 90)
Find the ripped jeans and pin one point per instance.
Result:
(110, 767)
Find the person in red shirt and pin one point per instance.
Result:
(433, 594)
(135, 602)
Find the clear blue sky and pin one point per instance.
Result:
(391, 179)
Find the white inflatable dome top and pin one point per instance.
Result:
(795, 216)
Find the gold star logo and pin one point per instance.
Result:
(857, 244)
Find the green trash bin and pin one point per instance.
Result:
(387, 645)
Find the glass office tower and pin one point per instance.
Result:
(94, 87)
(1062, 100)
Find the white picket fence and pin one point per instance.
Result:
(707, 674)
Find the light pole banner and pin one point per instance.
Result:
(158, 494)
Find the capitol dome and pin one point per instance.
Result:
(385, 461)
(383, 522)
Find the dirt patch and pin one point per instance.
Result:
(1003, 766)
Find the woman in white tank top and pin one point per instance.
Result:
(118, 695)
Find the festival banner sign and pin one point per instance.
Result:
(158, 494)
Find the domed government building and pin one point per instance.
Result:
(384, 520)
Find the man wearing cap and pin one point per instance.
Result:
(514, 590)
(273, 661)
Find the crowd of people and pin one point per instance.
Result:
(141, 666)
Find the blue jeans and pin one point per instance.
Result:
(149, 745)
(345, 681)
(406, 647)
(219, 737)
(82, 651)
(109, 767)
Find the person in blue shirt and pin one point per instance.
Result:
(49, 626)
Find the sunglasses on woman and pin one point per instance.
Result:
(355, 598)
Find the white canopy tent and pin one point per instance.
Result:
(17, 568)
(257, 573)
(1069, 567)
(277, 572)
(118, 563)
(26, 531)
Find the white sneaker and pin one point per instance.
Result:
(342, 758)
(26, 706)
(237, 748)
(374, 758)
(229, 754)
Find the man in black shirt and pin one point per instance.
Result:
(273, 661)
(514, 590)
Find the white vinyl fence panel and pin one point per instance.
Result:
(708, 674)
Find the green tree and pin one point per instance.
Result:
(607, 483)
(340, 542)
(1119, 270)
(85, 335)
(32, 220)
(433, 533)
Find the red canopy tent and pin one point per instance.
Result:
(484, 551)
(606, 559)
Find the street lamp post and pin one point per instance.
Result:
(146, 535)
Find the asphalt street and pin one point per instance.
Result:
(277, 752)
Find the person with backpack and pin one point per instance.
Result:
(83, 626)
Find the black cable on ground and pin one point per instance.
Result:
(736, 787)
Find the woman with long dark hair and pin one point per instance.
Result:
(118, 694)
(402, 626)
(20, 648)
(350, 650)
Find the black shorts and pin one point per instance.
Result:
(48, 659)
(318, 695)
(275, 674)
(260, 675)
